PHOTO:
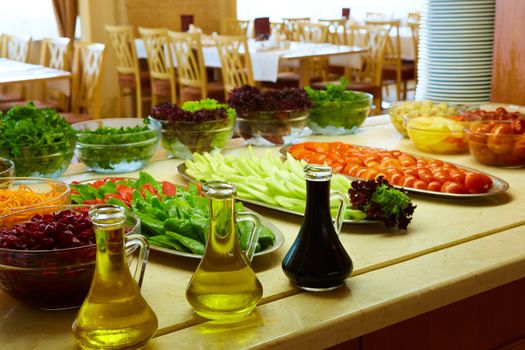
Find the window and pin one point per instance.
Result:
(28, 17)
(324, 9)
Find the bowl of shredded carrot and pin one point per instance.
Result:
(21, 193)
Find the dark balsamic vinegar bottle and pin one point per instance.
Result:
(317, 261)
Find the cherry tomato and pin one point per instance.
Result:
(477, 183)
(518, 125)
(337, 167)
(354, 160)
(318, 158)
(353, 169)
(410, 171)
(457, 175)
(501, 139)
(424, 174)
(319, 147)
(125, 192)
(453, 187)
(435, 186)
(395, 178)
(408, 181)
(442, 175)
(420, 184)
(406, 160)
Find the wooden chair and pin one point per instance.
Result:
(276, 28)
(191, 72)
(14, 47)
(292, 29)
(88, 60)
(236, 65)
(414, 29)
(369, 78)
(131, 79)
(234, 26)
(55, 53)
(394, 70)
(414, 16)
(335, 30)
(315, 33)
(160, 62)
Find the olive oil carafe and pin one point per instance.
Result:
(224, 286)
(317, 261)
(114, 315)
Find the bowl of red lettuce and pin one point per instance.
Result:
(196, 126)
(271, 117)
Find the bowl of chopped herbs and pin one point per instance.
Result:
(196, 126)
(337, 111)
(39, 141)
(117, 145)
(271, 117)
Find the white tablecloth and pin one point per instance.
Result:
(265, 59)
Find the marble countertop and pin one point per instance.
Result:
(454, 248)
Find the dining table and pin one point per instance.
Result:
(453, 250)
(267, 57)
(15, 72)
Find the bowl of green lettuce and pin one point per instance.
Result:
(337, 111)
(197, 126)
(39, 141)
(117, 145)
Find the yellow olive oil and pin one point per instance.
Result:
(114, 314)
(224, 285)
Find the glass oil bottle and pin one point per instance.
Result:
(317, 261)
(224, 286)
(114, 315)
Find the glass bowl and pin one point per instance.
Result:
(117, 153)
(437, 134)
(51, 279)
(339, 117)
(400, 111)
(497, 143)
(48, 192)
(7, 168)
(271, 128)
(49, 161)
(181, 139)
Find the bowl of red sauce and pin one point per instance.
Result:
(47, 255)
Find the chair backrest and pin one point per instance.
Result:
(377, 16)
(414, 28)
(234, 26)
(160, 60)
(336, 30)
(352, 33)
(276, 28)
(123, 43)
(15, 47)
(312, 32)
(235, 59)
(292, 29)
(414, 16)
(190, 62)
(54, 53)
(375, 39)
(393, 44)
(88, 59)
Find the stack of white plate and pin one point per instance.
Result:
(455, 51)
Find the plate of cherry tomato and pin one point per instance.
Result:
(414, 173)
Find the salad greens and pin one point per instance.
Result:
(133, 146)
(28, 132)
(171, 216)
(337, 110)
(381, 201)
(199, 126)
(266, 179)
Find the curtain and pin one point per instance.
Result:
(66, 12)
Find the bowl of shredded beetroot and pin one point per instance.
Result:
(48, 261)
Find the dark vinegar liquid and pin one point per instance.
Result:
(317, 260)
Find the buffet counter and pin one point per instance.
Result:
(453, 249)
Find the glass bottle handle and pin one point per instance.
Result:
(132, 242)
(254, 235)
(341, 209)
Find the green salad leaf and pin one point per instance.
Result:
(337, 107)
(27, 132)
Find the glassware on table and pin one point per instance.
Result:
(114, 314)
(7, 168)
(224, 286)
(317, 261)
